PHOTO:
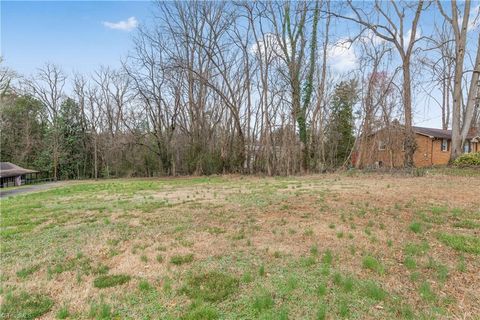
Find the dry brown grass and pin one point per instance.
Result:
(240, 223)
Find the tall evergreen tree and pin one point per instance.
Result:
(341, 134)
(71, 159)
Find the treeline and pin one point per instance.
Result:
(244, 87)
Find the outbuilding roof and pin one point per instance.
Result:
(8, 169)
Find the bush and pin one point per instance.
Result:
(468, 160)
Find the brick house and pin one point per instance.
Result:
(384, 148)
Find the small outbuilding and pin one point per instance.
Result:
(13, 175)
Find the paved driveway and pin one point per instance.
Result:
(6, 192)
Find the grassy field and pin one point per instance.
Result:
(356, 246)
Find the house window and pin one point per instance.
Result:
(466, 147)
(382, 145)
(444, 145)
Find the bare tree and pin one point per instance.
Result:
(6, 77)
(392, 28)
(440, 62)
(290, 29)
(48, 86)
(459, 26)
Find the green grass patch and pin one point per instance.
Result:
(373, 291)
(343, 309)
(327, 258)
(321, 312)
(410, 263)
(210, 286)
(63, 313)
(201, 311)
(262, 301)
(322, 289)
(101, 310)
(416, 249)
(459, 242)
(107, 281)
(181, 259)
(25, 306)
(372, 263)
(426, 292)
(144, 285)
(25, 272)
(416, 227)
(467, 224)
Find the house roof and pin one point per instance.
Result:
(439, 133)
(8, 169)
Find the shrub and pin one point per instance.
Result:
(468, 160)
(110, 280)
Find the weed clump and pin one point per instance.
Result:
(373, 291)
(107, 281)
(25, 272)
(373, 264)
(459, 242)
(201, 311)
(416, 227)
(179, 260)
(25, 306)
(211, 286)
(262, 301)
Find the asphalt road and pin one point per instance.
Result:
(6, 192)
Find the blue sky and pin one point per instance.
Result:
(69, 33)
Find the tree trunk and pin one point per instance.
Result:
(460, 44)
(472, 97)
(410, 144)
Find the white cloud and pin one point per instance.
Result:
(342, 56)
(370, 37)
(269, 46)
(408, 35)
(124, 25)
(474, 20)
